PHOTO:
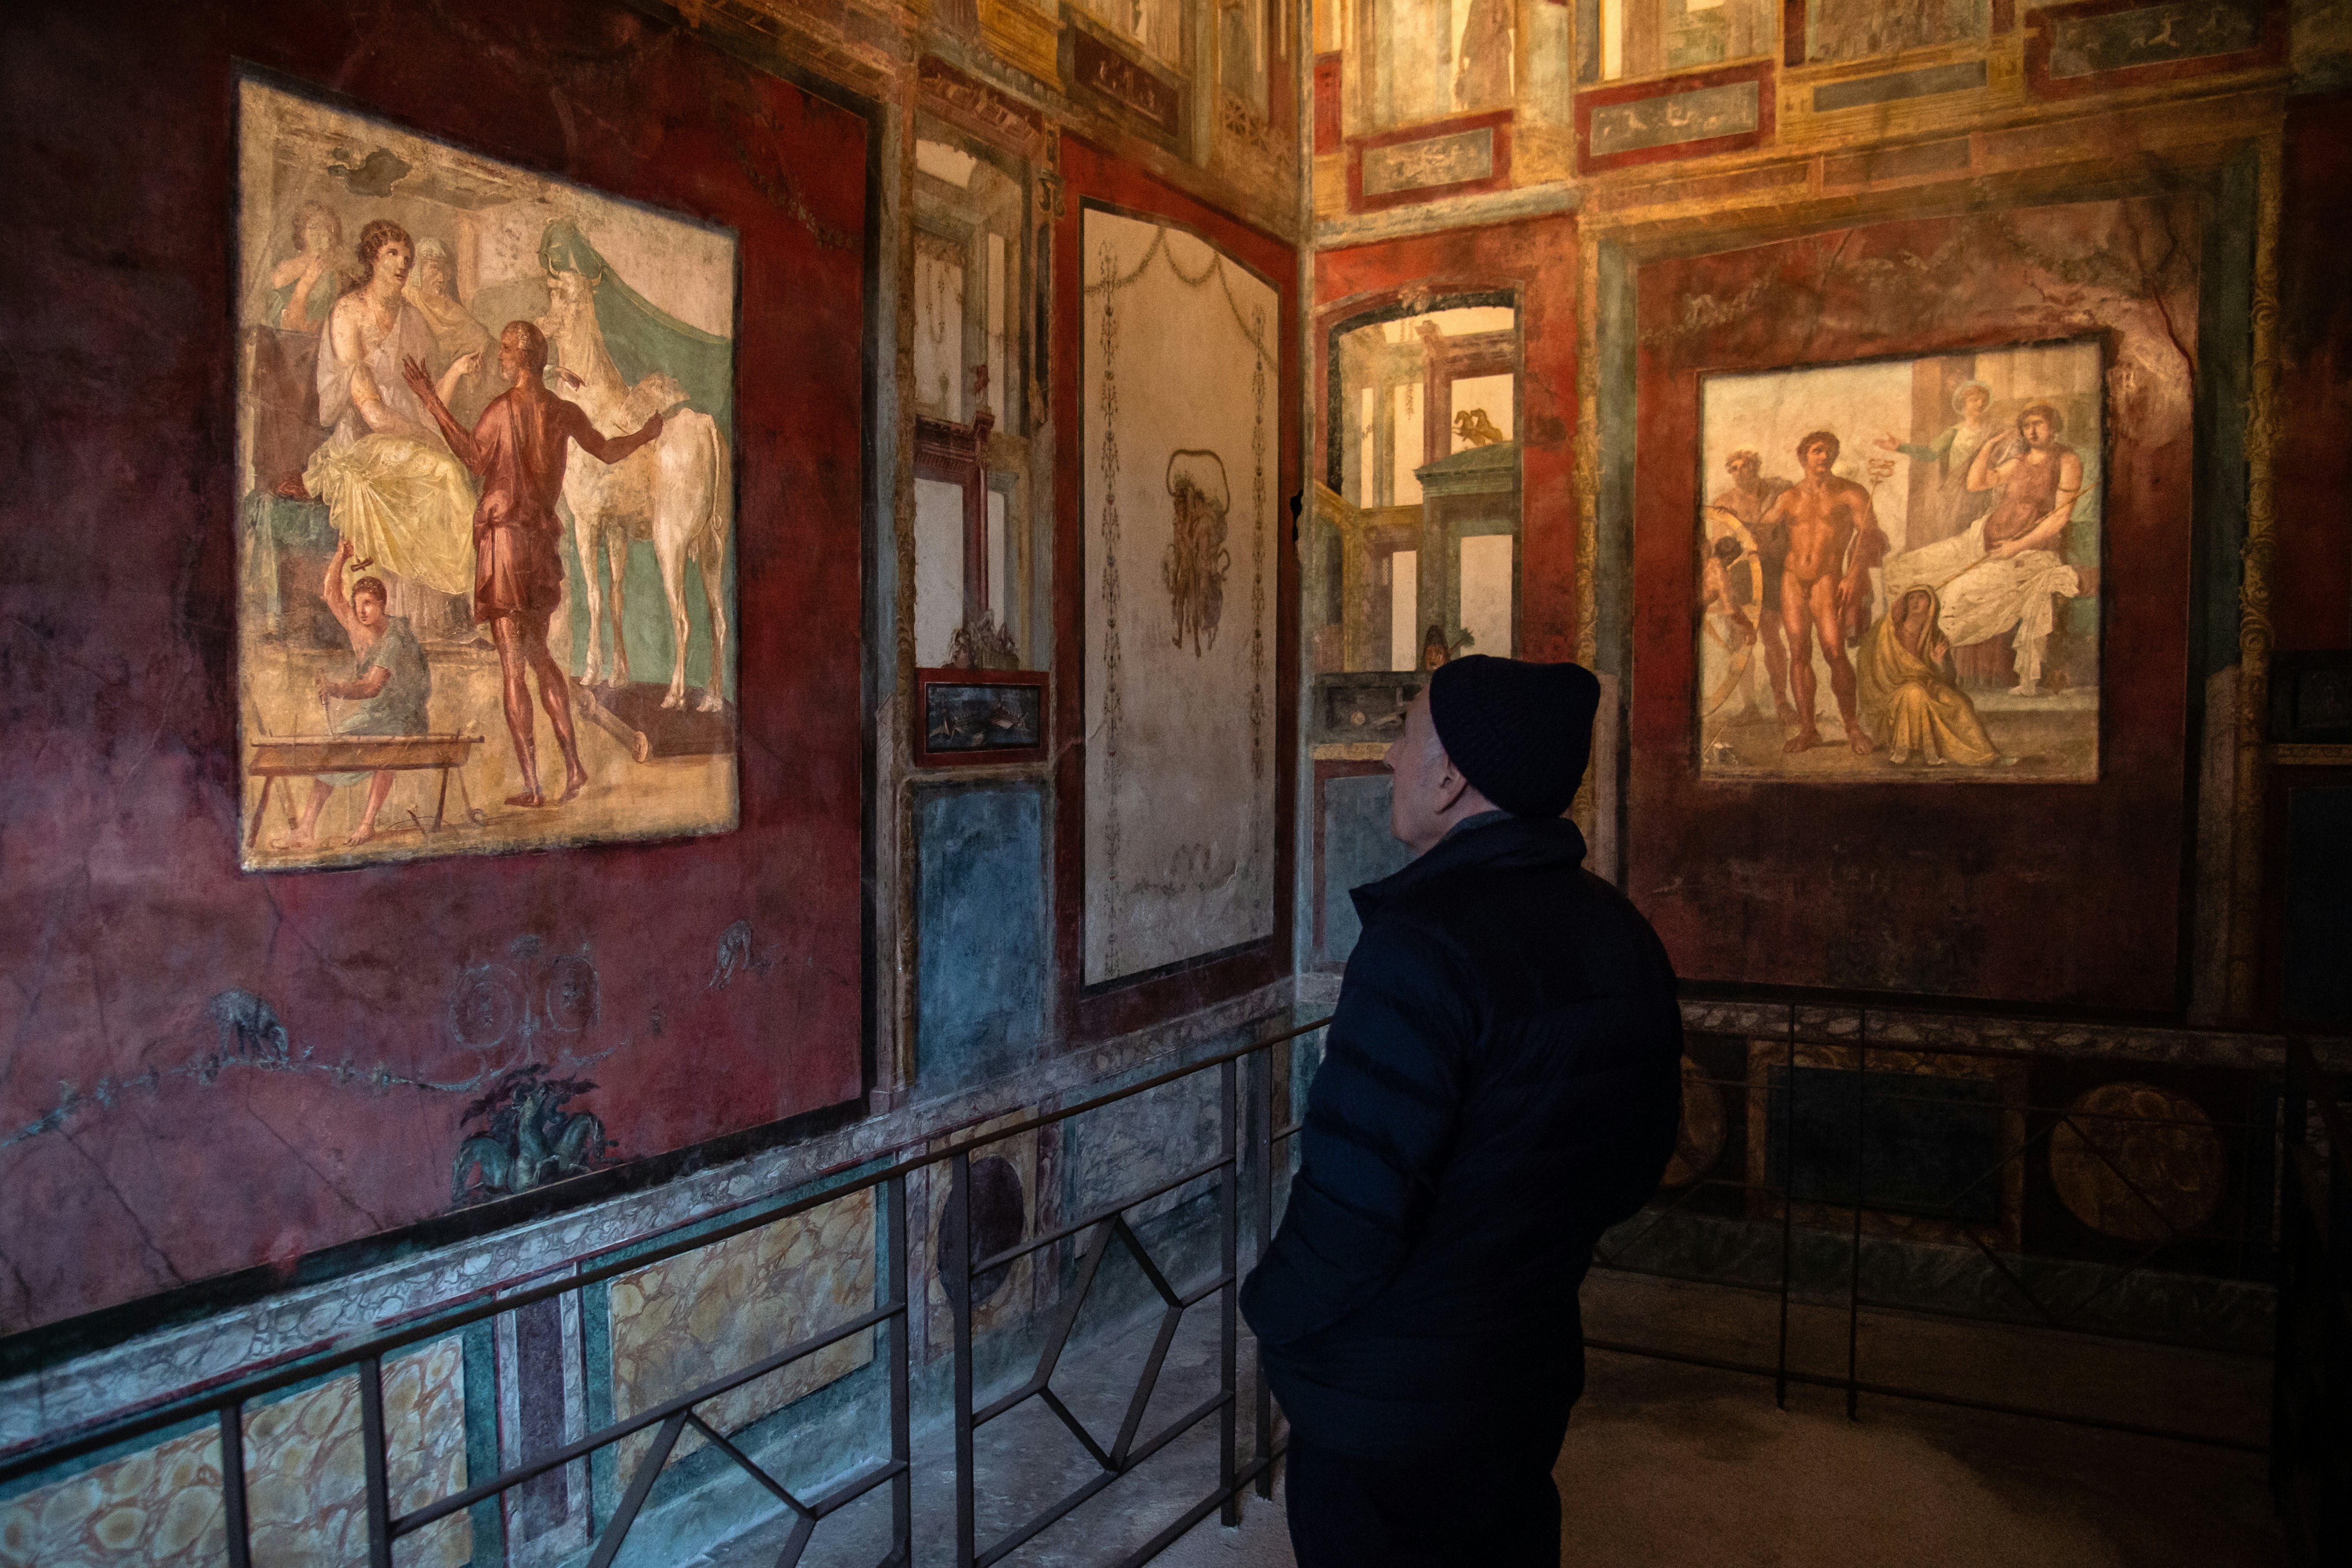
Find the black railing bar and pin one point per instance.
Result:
(32, 1458)
(1012, 1253)
(1038, 1385)
(775, 1487)
(856, 1487)
(2003, 1269)
(1809, 1019)
(1047, 1118)
(641, 1486)
(233, 1501)
(1657, 1220)
(2124, 1271)
(649, 1416)
(1199, 1511)
(375, 1460)
(2030, 1108)
(1893, 1391)
(1053, 1513)
(1145, 1386)
(1771, 1290)
(2080, 1331)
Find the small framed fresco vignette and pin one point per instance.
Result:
(1899, 569)
(980, 716)
(484, 472)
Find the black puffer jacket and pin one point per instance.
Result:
(1501, 1083)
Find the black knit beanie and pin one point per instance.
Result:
(1521, 732)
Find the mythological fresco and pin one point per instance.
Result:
(1899, 569)
(486, 525)
(1181, 455)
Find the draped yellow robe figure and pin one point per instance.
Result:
(1902, 682)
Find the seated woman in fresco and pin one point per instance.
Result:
(1921, 712)
(391, 686)
(390, 487)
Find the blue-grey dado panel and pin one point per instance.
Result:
(979, 931)
(1357, 849)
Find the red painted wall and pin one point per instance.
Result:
(2311, 587)
(1089, 172)
(136, 1158)
(2062, 893)
(1538, 259)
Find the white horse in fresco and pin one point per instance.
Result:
(676, 492)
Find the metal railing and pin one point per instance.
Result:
(669, 1420)
(2314, 1386)
(2311, 1414)
(1843, 1204)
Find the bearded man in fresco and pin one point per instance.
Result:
(1833, 540)
(518, 452)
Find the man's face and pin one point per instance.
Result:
(2036, 431)
(435, 272)
(1745, 472)
(319, 234)
(1418, 768)
(1816, 456)
(369, 610)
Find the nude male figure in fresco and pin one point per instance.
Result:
(519, 451)
(1833, 540)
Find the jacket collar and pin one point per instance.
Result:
(1497, 841)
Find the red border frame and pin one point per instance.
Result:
(1757, 71)
(1095, 1014)
(1495, 179)
(924, 678)
(2039, 37)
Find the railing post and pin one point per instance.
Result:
(958, 1271)
(901, 1327)
(1261, 1168)
(231, 1446)
(371, 1453)
(1229, 1513)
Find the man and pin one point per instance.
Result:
(1501, 1084)
(1833, 540)
(518, 452)
(1750, 496)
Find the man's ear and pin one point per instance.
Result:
(1449, 785)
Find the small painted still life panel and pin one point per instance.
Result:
(1899, 569)
(485, 475)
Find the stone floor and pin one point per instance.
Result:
(1672, 1464)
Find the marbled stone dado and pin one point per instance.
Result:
(683, 1322)
(306, 1484)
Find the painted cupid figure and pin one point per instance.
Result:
(519, 451)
